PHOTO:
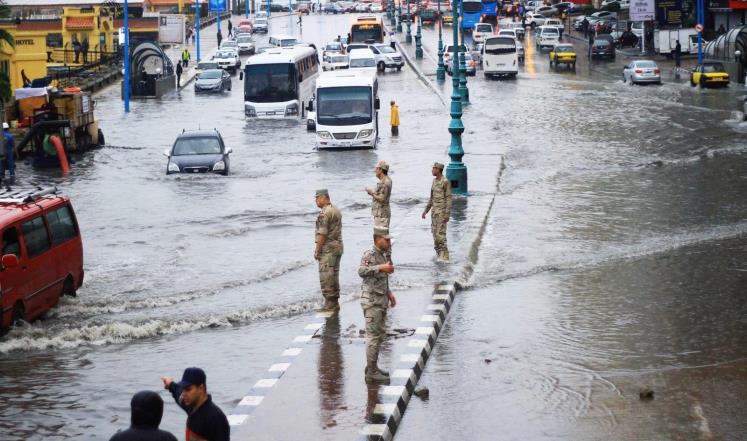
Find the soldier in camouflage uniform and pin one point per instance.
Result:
(328, 249)
(380, 206)
(440, 203)
(376, 297)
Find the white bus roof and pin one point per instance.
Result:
(345, 79)
(279, 55)
(361, 52)
(283, 37)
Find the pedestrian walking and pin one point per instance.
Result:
(380, 208)
(300, 19)
(394, 118)
(84, 50)
(219, 36)
(439, 205)
(146, 411)
(194, 35)
(677, 54)
(186, 56)
(585, 26)
(376, 297)
(328, 249)
(179, 71)
(230, 28)
(205, 420)
(8, 154)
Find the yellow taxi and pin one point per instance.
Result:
(563, 53)
(710, 73)
(448, 19)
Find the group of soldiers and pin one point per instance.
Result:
(376, 264)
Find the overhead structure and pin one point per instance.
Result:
(151, 70)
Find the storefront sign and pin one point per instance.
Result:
(669, 13)
(25, 42)
(738, 4)
(642, 10)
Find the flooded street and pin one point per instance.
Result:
(613, 258)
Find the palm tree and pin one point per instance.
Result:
(5, 92)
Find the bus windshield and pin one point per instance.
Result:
(364, 32)
(500, 45)
(472, 6)
(342, 106)
(270, 83)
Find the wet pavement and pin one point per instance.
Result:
(612, 260)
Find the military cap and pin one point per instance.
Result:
(382, 231)
(438, 165)
(383, 165)
(322, 192)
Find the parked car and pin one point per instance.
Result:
(563, 53)
(547, 11)
(567, 7)
(710, 73)
(534, 19)
(602, 48)
(624, 4)
(470, 63)
(599, 15)
(332, 8)
(42, 253)
(198, 151)
(246, 44)
(227, 59)
(642, 71)
(547, 36)
(213, 80)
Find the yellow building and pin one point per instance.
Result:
(28, 59)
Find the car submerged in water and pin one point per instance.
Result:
(213, 80)
(199, 151)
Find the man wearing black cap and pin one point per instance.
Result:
(147, 410)
(205, 420)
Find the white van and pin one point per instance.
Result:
(282, 40)
(362, 59)
(500, 57)
(481, 31)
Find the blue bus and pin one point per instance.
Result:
(490, 10)
(472, 13)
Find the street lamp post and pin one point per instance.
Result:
(197, 28)
(408, 35)
(440, 71)
(126, 85)
(701, 19)
(393, 17)
(399, 17)
(463, 91)
(418, 37)
(456, 172)
(246, 8)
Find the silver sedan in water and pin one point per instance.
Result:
(642, 71)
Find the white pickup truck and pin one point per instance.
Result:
(665, 41)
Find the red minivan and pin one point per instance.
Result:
(42, 253)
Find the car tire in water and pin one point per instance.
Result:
(68, 288)
(19, 314)
(381, 66)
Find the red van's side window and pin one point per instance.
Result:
(35, 236)
(11, 245)
(62, 225)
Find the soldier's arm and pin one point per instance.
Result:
(322, 230)
(430, 204)
(368, 266)
(447, 193)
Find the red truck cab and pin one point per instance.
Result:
(42, 253)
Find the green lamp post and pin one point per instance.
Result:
(440, 71)
(408, 35)
(463, 91)
(399, 17)
(418, 44)
(456, 172)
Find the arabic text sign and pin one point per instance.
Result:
(642, 10)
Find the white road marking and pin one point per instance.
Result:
(266, 382)
(251, 400)
(279, 367)
(292, 352)
(303, 339)
(236, 420)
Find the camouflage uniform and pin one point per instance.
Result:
(440, 203)
(374, 300)
(381, 211)
(329, 223)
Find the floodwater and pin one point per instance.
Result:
(613, 259)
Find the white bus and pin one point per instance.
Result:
(499, 57)
(347, 110)
(278, 83)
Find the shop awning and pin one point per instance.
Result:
(79, 23)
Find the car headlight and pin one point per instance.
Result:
(250, 111)
(389, 59)
(365, 133)
(173, 167)
(324, 135)
(291, 109)
(219, 166)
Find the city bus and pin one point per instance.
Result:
(347, 110)
(278, 83)
(500, 57)
(471, 13)
(367, 29)
(490, 11)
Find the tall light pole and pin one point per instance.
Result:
(440, 71)
(463, 91)
(418, 37)
(126, 88)
(701, 19)
(246, 8)
(197, 28)
(399, 17)
(408, 35)
(456, 172)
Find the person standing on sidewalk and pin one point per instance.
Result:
(230, 28)
(376, 297)
(219, 36)
(8, 155)
(394, 118)
(677, 54)
(205, 420)
(146, 413)
(328, 250)
(179, 71)
(440, 203)
(185, 57)
(380, 209)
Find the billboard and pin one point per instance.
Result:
(171, 28)
(216, 5)
(669, 13)
(642, 10)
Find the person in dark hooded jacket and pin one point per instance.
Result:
(147, 410)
